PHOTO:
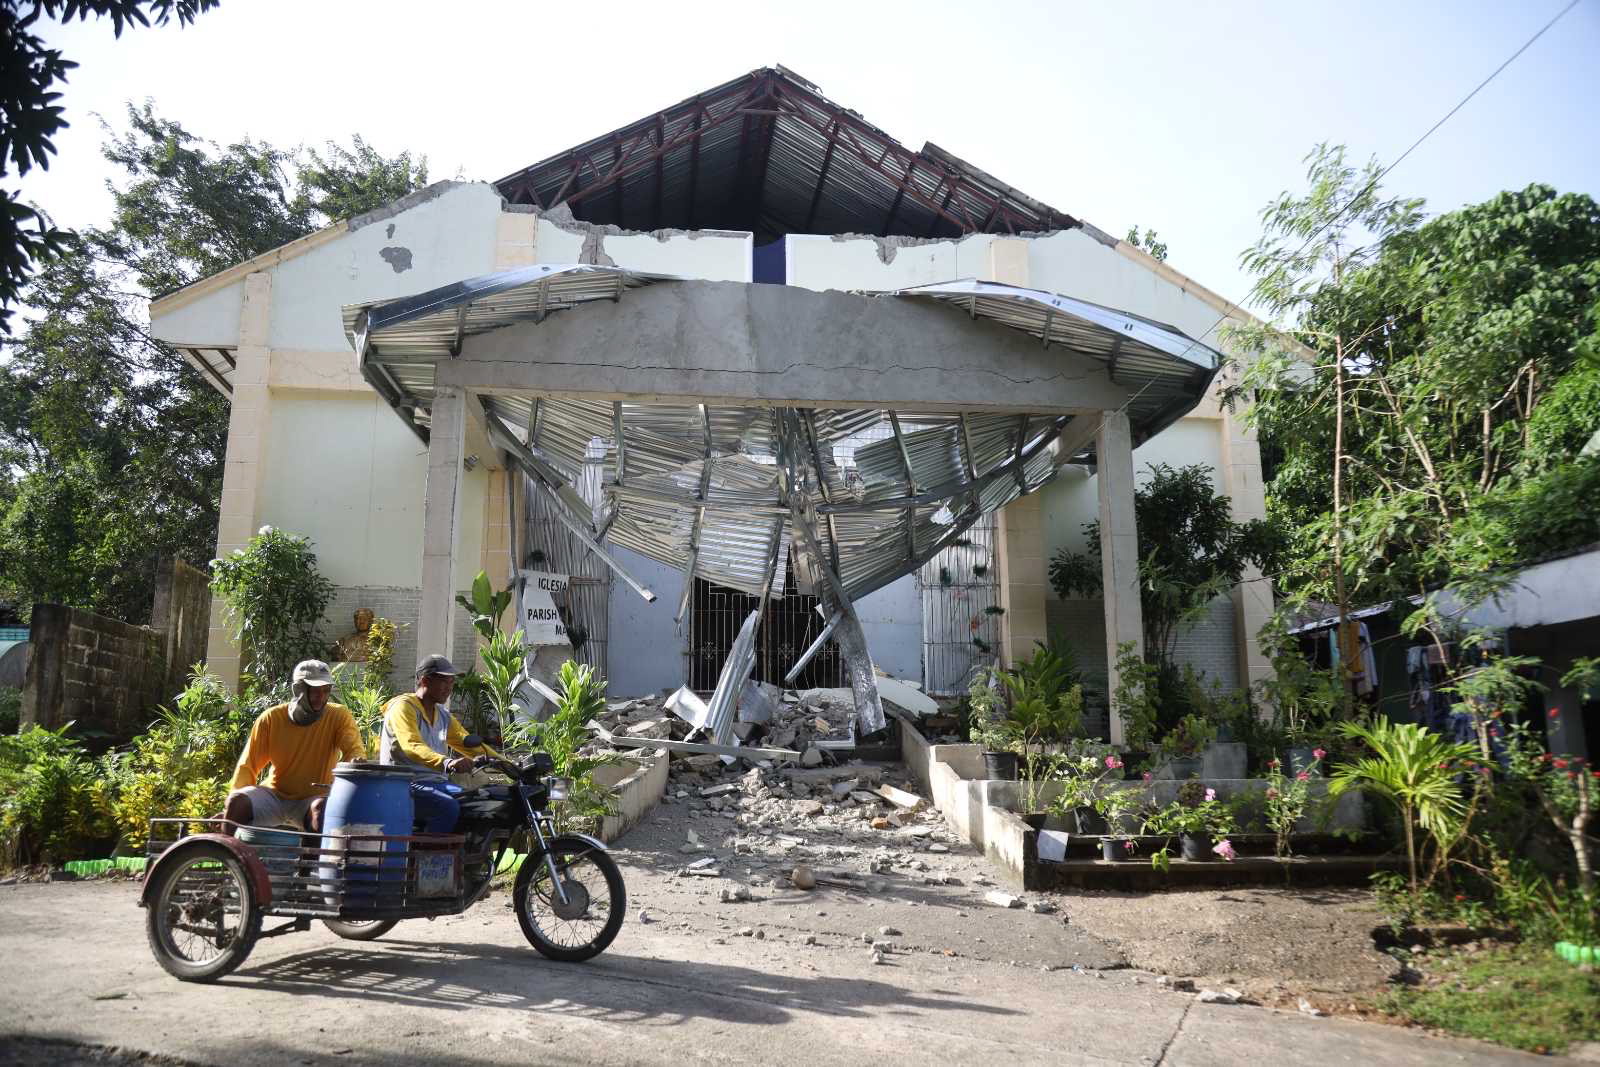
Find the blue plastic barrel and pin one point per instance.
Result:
(368, 799)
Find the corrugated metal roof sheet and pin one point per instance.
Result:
(688, 484)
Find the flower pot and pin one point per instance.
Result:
(1001, 765)
(1115, 849)
(1197, 847)
(1301, 759)
(1185, 767)
(1090, 822)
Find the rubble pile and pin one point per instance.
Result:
(842, 825)
(817, 724)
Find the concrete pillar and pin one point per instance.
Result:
(249, 416)
(1019, 544)
(441, 515)
(1119, 546)
(1252, 597)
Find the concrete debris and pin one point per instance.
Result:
(702, 863)
(1224, 996)
(900, 798)
(645, 918)
(1002, 900)
(888, 931)
(1043, 907)
(735, 894)
(1307, 1009)
(812, 757)
(937, 847)
(747, 931)
(802, 878)
(810, 939)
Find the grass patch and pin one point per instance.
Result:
(1521, 995)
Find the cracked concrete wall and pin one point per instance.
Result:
(715, 255)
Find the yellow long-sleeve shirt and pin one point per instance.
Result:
(300, 756)
(408, 729)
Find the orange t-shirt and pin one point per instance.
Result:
(302, 757)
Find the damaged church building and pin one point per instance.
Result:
(751, 380)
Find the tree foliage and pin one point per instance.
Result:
(1191, 550)
(275, 599)
(1423, 396)
(30, 116)
(111, 445)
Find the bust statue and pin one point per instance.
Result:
(352, 648)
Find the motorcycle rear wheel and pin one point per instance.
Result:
(596, 901)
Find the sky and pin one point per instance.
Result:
(1182, 117)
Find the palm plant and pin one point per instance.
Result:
(1415, 770)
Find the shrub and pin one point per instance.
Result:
(275, 598)
(563, 736)
(183, 764)
(10, 709)
(51, 798)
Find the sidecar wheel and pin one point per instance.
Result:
(202, 919)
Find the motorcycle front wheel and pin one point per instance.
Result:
(581, 926)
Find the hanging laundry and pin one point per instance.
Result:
(1351, 641)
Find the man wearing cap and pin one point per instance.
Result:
(419, 730)
(302, 741)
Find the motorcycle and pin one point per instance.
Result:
(207, 894)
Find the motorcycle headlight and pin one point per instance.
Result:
(559, 787)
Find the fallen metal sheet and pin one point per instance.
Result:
(734, 751)
(697, 486)
(687, 705)
(730, 684)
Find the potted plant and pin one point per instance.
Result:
(1113, 806)
(1198, 818)
(1184, 745)
(1286, 798)
(1002, 745)
(1086, 772)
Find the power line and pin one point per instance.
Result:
(1415, 144)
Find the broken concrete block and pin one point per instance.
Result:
(812, 757)
(1002, 899)
(900, 798)
(880, 823)
(809, 807)
(734, 894)
(802, 878)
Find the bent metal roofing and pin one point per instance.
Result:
(713, 490)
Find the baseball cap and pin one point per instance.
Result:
(313, 672)
(436, 664)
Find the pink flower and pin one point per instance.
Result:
(1272, 794)
(1303, 776)
(1211, 794)
(1274, 764)
(1560, 764)
(1112, 763)
(1224, 848)
(1127, 846)
(1147, 776)
(1318, 753)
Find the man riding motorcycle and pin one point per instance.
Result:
(418, 730)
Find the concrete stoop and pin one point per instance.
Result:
(983, 811)
(637, 784)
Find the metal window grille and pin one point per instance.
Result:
(788, 626)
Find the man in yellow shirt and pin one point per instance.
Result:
(302, 741)
(419, 731)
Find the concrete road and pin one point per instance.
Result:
(468, 990)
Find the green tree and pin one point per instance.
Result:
(111, 445)
(30, 116)
(275, 598)
(1424, 392)
(1191, 550)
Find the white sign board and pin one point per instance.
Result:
(541, 622)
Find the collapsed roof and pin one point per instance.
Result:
(712, 489)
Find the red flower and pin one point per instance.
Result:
(1555, 713)
(1461, 896)
(1274, 764)
(1560, 764)
(1303, 776)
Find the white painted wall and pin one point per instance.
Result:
(342, 470)
(448, 238)
(212, 319)
(816, 262)
(713, 256)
